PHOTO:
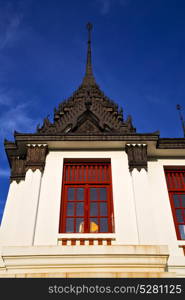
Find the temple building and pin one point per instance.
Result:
(89, 196)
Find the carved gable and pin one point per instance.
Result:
(88, 127)
(91, 97)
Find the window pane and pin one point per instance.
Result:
(79, 225)
(94, 209)
(94, 225)
(70, 209)
(183, 199)
(103, 225)
(103, 209)
(70, 194)
(182, 231)
(80, 194)
(93, 194)
(69, 225)
(79, 209)
(179, 215)
(176, 200)
(103, 194)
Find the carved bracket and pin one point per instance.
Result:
(137, 156)
(18, 169)
(35, 159)
(36, 156)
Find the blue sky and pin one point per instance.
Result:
(138, 49)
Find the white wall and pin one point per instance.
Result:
(18, 223)
(50, 197)
(153, 210)
(163, 216)
(47, 224)
(11, 215)
(126, 226)
(142, 209)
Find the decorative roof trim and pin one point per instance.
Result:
(171, 143)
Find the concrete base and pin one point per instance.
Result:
(91, 275)
(116, 261)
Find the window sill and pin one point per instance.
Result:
(86, 236)
(76, 239)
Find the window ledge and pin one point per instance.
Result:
(86, 236)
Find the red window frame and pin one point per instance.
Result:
(175, 179)
(94, 178)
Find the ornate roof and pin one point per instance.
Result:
(88, 115)
(88, 110)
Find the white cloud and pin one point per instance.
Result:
(16, 118)
(5, 97)
(11, 32)
(105, 5)
(10, 21)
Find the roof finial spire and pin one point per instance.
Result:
(89, 78)
(89, 28)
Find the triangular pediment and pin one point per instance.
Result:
(87, 127)
(87, 122)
